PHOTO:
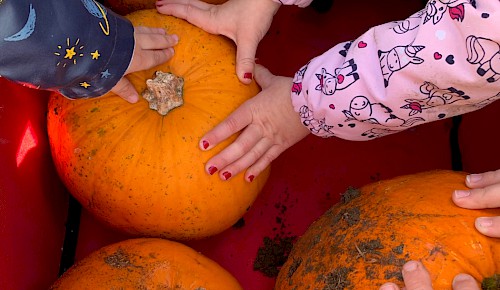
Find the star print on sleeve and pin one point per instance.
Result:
(95, 54)
(105, 74)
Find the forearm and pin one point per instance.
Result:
(440, 62)
(78, 48)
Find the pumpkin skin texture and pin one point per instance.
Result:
(142, 172)
(146, 263)
(124, 7)
(363, 241)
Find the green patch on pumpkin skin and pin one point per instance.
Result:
(491, 283)
(101, 132)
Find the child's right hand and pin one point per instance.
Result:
(484, 193)
(244, 21)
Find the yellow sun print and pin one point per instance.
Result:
(70, 53)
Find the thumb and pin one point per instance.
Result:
(263, 76)
(245, 59)
(126, 91)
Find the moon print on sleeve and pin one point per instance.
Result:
(98, 11)
(27, 29)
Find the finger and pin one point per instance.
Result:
(198, 14)
(263, 76)
(263, 162)
(234, 123)
(389, 286)
(478, 198)
(146, 59)
(196, 3)
(464, 282)
(156, 40)
(488, 226)
(126, 91)
(483, 179)
(149, 30)
(248, 158)
(416, 276)
(245, 58)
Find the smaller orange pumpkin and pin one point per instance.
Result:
(147, 263)
(125, 7)
(363, 241)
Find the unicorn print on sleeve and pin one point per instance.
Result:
(440, 62)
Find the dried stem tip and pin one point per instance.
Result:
(164, 92)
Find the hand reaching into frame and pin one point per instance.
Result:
(416, 277)
(268, 124)
(153, 46)
(245, 22)
(484, 193)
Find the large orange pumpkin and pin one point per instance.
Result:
(363, 241)
(143, 172)
(127, 6)
(146, 264)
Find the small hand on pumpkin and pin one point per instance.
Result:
(152, 47)
(268, 124)
(484, 193)
(416, 277)
(245, 22)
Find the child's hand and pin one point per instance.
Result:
(416, 277)
(244, 21)
(152, 47)
(484, 193)
(269, 126)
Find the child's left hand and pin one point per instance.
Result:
(268, 124)
(484, 193)
(153, 46)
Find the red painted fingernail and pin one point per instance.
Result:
(226, 175)
(212, 170)
(205, 144)
(250, 178)
(248, 75)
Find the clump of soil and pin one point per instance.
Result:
(273, 254)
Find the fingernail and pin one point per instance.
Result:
(388, 286)
(205, 144)
(226, 175)
(484, 222)
(248, 75)
(251, 178)
(212, 170)
(410, 266)
(461, 193)
(461, 278)
(473, 178)
(175, 38)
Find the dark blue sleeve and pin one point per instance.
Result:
(76, 47)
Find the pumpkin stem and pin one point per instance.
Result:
(164, 92)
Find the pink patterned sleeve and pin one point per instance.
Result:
(300, 3)
(440, 62)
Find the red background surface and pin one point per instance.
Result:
(305, 180)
